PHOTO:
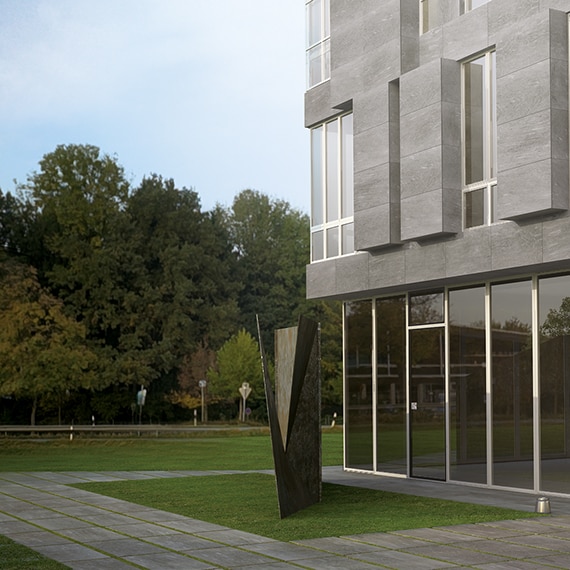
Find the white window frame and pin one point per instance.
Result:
(431, 6)
(489, 183)
(323, 44)
(467, 5)
(341, 223)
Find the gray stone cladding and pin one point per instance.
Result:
(404, 90)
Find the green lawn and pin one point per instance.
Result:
(245, 452)
(248, 502)
(16, 557)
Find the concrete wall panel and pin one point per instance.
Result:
(514, 245)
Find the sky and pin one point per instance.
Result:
(207, 92)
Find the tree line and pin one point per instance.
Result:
(106, 287)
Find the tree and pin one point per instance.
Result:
(329, 315)
(272, 244)
(42, 351)
(146, 272)
(194, 368)
(557, 322)
(238, 361)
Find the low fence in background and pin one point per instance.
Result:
(118, 430)
(146, 430)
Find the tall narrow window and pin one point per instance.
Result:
(358, 385)
(429, 15)
(468, 5)
(479, 140)
(332, 189)
(318, 41)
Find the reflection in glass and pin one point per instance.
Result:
(332, 241)
(358, 388)
(347, 167)
(467, 385)
(314, 65)
(474, 93)
(318, 246)
(332, 170)
(317, 217)
(493, 116)
(314, 22)
(554, 317)
(512, 398)
(467, 5)
(426, 309)
(475, 208)
(347, 238)
(391, 382)
(427, 403)
(430, 15)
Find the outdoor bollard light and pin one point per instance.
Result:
(543, 505)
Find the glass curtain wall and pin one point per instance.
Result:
(512, 396)
(467, 385)
(554, 328)
(358, 385)
(427, 386)
(391, 448)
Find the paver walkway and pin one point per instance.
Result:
(87, 531)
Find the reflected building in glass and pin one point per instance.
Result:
(440, 216)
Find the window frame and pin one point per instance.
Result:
(320, 46)
(467, 5)
(432, 7)
(488, 184)
(343, 223)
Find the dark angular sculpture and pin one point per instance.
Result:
(294, 415)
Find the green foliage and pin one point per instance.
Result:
(42, 351)
(272, 243)
(238, 361)
(557, 322)
(151, 278)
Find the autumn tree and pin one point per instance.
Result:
(42, 351)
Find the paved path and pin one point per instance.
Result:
(86, 531)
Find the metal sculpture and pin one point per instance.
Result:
(294, 415)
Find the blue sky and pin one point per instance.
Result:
(207, 92)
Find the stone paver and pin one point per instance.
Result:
(87, 531)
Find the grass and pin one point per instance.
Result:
(245, 452)
(14, 556)
(248, 502)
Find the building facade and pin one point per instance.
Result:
(440, 216)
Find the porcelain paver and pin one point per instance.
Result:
(337, 545)
(110, 534)
(68, 552)
(335, 563)
(403, 560)
(169, 561)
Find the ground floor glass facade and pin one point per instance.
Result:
(466, 384)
